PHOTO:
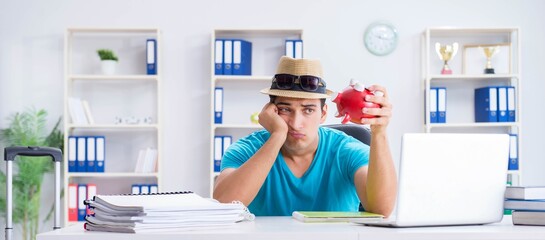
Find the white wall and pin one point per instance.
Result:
(31, 59)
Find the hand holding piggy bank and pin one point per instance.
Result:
(351, 101)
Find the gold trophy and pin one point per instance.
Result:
(445, 53)
(489, 52)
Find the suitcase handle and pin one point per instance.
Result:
(31, 151)
(11, 152)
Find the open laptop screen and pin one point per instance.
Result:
(451, 179)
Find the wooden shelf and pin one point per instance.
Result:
(238, 126)
(472, 77)
(110, 175)
(235, 78)
(95, 77)
(464, 32)
(112, 30)
(114, 126)
(469, 125)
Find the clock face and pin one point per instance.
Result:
(380, 39)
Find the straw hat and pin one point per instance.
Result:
(299, 67)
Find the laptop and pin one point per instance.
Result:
(450, 179)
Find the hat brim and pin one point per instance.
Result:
(297, 94)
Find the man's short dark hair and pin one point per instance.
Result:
(322, 101)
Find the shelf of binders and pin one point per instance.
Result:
(123, 108)
(235, 97)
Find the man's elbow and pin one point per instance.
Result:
(230, 197)
(383, 207)
(385, 211)
(221, 196)
(217, 196)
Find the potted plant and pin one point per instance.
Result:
(108, 60)
(28, 129)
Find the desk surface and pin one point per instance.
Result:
(288, 228)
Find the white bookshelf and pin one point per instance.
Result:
(241, 93)
(462, 82)
(128, 93)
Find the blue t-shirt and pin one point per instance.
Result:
(327, 185)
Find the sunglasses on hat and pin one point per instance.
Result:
(304, 82)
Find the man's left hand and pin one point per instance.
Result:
(383, 114)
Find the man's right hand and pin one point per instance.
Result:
(271, 121)
(243, 183)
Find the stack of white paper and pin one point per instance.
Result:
(161, 212)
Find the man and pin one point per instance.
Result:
(296, 165)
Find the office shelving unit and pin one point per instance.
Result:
(128, 93)
(462, 82)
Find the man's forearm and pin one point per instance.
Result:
(244, 183)
(381, 178)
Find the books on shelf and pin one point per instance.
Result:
(438, 105)
(144, 188)
(151, 56)
(327, 216)
(495, 104)
(294, 48)
(513, 153)
(221, 144)
(218, 105)
(87, 110)
(433, 105)
(77, 194)
(80, 112)
(161, 212)
(525, 192)
(86, 153)
(441, 105)
(147, 161)
(232, 57)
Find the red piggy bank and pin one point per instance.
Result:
(351, 101)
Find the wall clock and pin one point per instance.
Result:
(380, 38)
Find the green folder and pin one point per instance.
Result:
(327, 216)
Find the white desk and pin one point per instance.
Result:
(287, 228)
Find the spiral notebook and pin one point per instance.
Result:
(162, 202)
(174, 211)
